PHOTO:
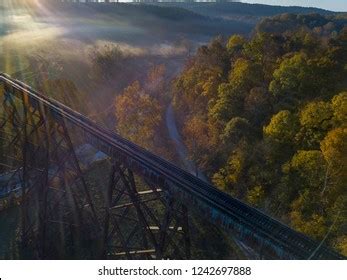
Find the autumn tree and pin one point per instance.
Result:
(138, 115)
(282, 127)
(156, 81)
(242, 78)
(235, 44)
(197, 141)
(339, 107)
(109, 64)
(315, 121)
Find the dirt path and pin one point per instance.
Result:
(179, 145)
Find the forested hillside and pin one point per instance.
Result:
(266, 119)
(241, 11)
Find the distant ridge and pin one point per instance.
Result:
(239, 10)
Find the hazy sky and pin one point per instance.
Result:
(333, 5)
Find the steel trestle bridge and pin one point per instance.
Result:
(139, 205)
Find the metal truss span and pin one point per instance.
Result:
(132, 205)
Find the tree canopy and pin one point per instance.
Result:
(266, 118)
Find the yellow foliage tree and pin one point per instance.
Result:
(138, 115)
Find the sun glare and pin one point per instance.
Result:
(22, 29)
